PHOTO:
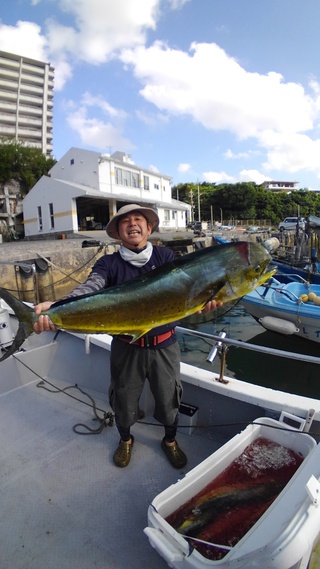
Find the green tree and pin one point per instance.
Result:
(247, 200)
(22, 163)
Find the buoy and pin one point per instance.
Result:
(278, 325)
(316, 300)
(304, 297)
(6, 334)
(312, 296)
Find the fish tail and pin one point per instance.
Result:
(26, 318)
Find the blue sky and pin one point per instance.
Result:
(200, 90)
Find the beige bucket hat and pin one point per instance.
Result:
(150, 215)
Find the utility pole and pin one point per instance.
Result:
(199, 213)
(192, 206)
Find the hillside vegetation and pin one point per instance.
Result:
(246, 201)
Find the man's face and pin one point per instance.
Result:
(134, 230)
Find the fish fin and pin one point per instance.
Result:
(137, 335)
(26, 319)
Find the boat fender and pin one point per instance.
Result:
(271, 244)
(278, 325)
(6, 334)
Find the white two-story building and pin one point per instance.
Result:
(85, 189)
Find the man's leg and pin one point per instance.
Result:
(127, 380)
(164, 377)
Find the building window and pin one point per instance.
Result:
(146, 183)
(126, 177)
(72, 162)
(167, 214)
(51, 215)
(118, 175)
(156, 186)
(174, 214)
(40, 224)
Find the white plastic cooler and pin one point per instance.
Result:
(284, 534)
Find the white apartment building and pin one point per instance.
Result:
(85, 189)
(280, 186)
(26, 101)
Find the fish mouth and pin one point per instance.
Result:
(265, 276)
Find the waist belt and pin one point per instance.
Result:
(148, 341)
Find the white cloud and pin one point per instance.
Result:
(212, 88)
(204, 84)
(177, 4)
(152, 119)
(291, 152)
(89, 100)
(98, 30)
(184, 167)
(252, 176)
(96, 132)
(154, 169)
(218, 177)
(217, 92)
(101, 27)
(242, 176)
(14, 39)
(229, 154)
(62, 74)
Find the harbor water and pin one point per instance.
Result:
(287, 375)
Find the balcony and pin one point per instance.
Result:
(30, 134)
(9, 74)
(26, 89)
(27, 121)
(27, 79)
(7, 119)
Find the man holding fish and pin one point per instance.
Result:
(138, 295)
(155, 355)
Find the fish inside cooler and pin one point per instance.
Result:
(228, 507)
(224, 498)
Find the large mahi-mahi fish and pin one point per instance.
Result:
(173, 291)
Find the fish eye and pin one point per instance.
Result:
(257, 268)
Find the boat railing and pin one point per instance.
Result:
(221, 342)
(294, 277)
(274, 284)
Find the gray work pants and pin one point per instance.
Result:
(130, 366)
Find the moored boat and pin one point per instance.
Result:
(287, 308)
(287, 272)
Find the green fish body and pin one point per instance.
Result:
(204, 513)
(171, 292)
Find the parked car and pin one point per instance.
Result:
(291, 223)
(197, 226)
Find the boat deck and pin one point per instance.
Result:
(63, 502)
